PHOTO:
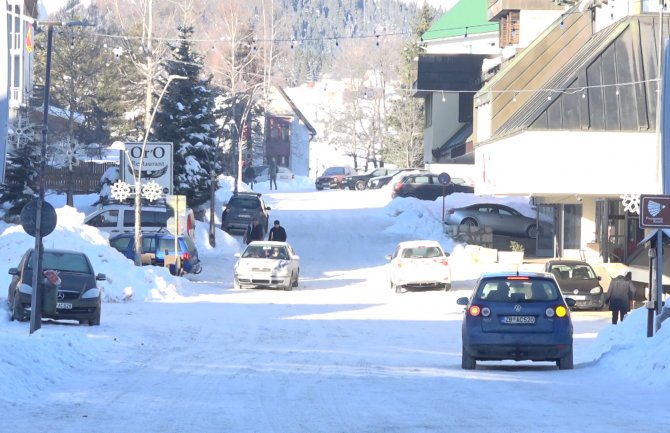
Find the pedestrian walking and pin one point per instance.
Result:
(250, 174)
(277, 233)
(620, 295)
(254, 232)
(273, 173)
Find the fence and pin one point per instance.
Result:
(85, 178)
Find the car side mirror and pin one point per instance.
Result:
(462, 301)
(237, 255)
(600, 278)
(13, 271)
(296, 257)
(100, 277)
(268, 208)
(387, 257)
(571, 302)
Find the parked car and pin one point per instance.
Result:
(380, 181)
(333, 177)
(420, 264)
(154, 246)
(579, 281)
(360, 181)
(120, 217)
(267, 264)
(242, 209)
(283, 174)
(426, 186)
(502, 219)
(518, 316)
(77, 298)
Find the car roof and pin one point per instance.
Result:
(567, 262)
(419, 243)
(247, 193)
(506, 274)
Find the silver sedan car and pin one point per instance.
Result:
(267, 264)
(502, 219)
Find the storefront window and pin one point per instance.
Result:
(573, 226)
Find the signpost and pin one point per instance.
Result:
(156, 164)
(655, 214)
(445, 180)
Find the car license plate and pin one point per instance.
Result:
(517, 320)
(244, 215)
(577, 297)
(63, 305)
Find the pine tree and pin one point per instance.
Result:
(185, 118)
(21, 178)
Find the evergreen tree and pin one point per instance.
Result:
(406, 115)
(185, 118)
(21, 178)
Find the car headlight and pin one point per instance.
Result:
(91, 293)
(26, 289)
(282, 268)
(596, 290)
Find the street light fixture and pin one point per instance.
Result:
(137, 173)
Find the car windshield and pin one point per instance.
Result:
(577, 271)
(517, 289)
(243, 203)
(63, 261)
(265, 252)
(332, 171)
(422, 252)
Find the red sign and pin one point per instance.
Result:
(655, 211)
(29, 39)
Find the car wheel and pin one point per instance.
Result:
(447, 287)
(95, 321)
(289, 286)
(532, 231)
(17, 311)
(318, 188)
(565, 363)
(398, 288)
(236, 285)
(361, 185)
(467, 361)
(469, 222)
(295, 282)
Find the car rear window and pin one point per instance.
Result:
(517, 289)
(243, 203)
(331, 171)
(422, 252)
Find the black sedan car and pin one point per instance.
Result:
(425, 186)
(517, 316)
(578, 280)
(360, 181)
(73, 295)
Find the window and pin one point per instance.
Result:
(572, 219)
(121, 244)
(509, 29)
(520, 290)
(106, 219)
(429, 111)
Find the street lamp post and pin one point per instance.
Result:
(137, 173)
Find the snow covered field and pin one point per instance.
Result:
(341, 353)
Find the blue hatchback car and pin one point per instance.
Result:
(518, 316)
(154, 246)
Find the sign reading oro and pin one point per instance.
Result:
(654, 211)
(156, 165)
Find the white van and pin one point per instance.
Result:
(120, 218)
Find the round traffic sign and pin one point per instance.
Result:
(29, 218)
(444, 178)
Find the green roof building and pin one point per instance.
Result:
(467, 17)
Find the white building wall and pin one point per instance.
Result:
(299, 163)
(483, 123)
(482, 43)
(533, 23)
(565, 162)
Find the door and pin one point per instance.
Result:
(546, 237)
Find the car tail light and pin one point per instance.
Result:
(185, 256)
(517, 277)
(397, 186)
(486, 311)
(445, 261)
(474, 310)
(561, 311)
(399, 264)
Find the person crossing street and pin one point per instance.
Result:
(277, 233)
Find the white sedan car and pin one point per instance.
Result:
(283, 174)
(267, 264)
(419, 265)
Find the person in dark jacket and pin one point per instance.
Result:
(619, 296)
(273, 173)
(254, 232)
(250, 174)
(277, 233)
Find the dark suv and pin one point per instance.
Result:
(425, 186)
(242, 209)
(333, 177)
(360, 181)
(154, 246)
